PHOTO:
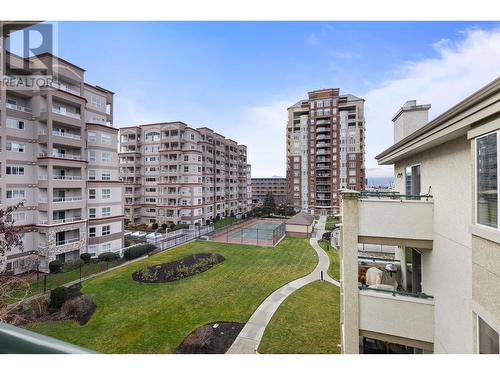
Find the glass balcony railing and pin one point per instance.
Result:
(397, 292)
(393, 195)
(19, 108)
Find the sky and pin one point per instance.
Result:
(238, 78)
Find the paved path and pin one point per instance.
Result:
(250, 336)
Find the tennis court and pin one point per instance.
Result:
(260, 232)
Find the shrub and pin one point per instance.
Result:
(55, 266)
(85, 257)
(71, 265)
(79, 306)
(58, 296)
(327, 236)
(39, 305)
(107, 256)
(207, 222)
(138, 251)
(154, 226)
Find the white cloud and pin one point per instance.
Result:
(262, 130)
(460, 69)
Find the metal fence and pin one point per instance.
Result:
(251, 232)
(164, 243)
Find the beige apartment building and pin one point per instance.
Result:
(274, 185)
(325, 146)
(58, 154)
(177, 174)
(438, 292)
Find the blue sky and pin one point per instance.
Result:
(239, 77)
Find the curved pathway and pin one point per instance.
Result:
(250, 336)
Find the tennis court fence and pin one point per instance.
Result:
(261, 232)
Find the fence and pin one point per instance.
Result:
(164, 243)
(261, 232)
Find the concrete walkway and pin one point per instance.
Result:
(250, 336)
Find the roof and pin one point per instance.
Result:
(302, 218)
(480, 96)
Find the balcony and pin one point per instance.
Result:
(65, 177)
(56, 154)
(18, 108)
(67, 241)
(64, 87)
(66, 199)
(67, 220)
(66, 135)
(397, 314)
(63, 112)
(396, 219)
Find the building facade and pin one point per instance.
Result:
(274, 185)
(177, 174)
(325, 143)
(438, 292)
(59, 156)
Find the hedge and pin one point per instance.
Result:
(138, 251)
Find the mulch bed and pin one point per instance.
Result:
(213, 338)
(180, 269)
(24, 314)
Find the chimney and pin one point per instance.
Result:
(409, 119)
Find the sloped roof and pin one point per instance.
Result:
(302, 218)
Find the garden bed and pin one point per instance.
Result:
(180, 269)
(78, 307)
(213, 338)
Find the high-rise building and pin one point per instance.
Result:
(177, 174)
(325, 143)
(59, 156)
(274, 185)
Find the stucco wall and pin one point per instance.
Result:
(447, 271)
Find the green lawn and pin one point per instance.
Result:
(133, 317)
(307, 322)
(224, 222)
(333, 254)
(330, 221)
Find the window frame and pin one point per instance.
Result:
(476, 222)
(477, 332)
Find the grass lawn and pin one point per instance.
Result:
(224, 222)
(307, 322)
(330, 221)
(133, 317)
(333, 254)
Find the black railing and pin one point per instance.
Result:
(393, 195)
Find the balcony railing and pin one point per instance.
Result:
(67, 241)
(66, 199)
(396, 292)
(66, 113)
(393, 195)
(66, 220)
(66, 88)
(66, 156)
(19, 108)
(69, 178)
(66, 135)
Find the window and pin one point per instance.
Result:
(106, 157)
(92, 232)
(186, 158)
(106, 247)
(106, 175)
(106, 193)
(186, 169)
(92, 156)
(487, 180)
(92, 137)
(92, 213)
(412, 180)
(16, 147)
(97, 101)
(105, 139)
(15, 194)
(15, 170)
(15, 124)
(17, 217)
(487, 338)
(91, 174)
(91, 193)
(106, 230)
(106, 211)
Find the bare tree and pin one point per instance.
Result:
(12, 288)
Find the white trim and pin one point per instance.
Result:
(476, 206)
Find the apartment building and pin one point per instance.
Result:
(325, 143)
(58, 154)
(438, 293)
(177, 174)
(274, 185)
